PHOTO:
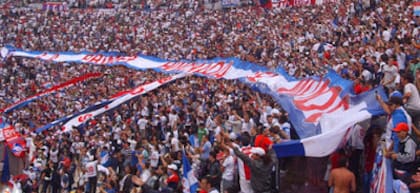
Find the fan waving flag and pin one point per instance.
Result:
(189, 181)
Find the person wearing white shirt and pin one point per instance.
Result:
(243, 169)
(174, 143)
(142, 123)
(386, 34)
(390, 74)
(154, 157)
(91, 174)
(228, 169)
(411, 98)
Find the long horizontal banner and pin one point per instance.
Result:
(26, 101)
(78, 119)
(298, 3)
(315, 105)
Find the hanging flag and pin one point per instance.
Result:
(189, 181)
(5, 175)
(14, 141)
(17, 146)
(382, 179)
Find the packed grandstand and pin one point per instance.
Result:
(209, 96)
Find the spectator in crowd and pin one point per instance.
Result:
(342, 179)
(397, 114)
(411, 98)
(404, 160)
(260, 164)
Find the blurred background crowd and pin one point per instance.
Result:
(138, 147)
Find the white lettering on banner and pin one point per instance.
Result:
(85, 117)
(301, 2)
(315, 98)
(47, 56)
(257, 76)
(101, 59)
(280, 3)
(217, 70)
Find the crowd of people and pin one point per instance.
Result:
(217, 123)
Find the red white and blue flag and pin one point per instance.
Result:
(322, 109)
(14, 140)
(51, 89)
(382, 180)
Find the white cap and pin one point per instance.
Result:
(173, 167)
(275, 111)
(258, 150)
(232, 136)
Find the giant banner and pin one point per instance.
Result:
(315, 105)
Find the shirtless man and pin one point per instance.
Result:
(341, 179)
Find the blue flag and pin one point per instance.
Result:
(5, 175)
(189, 181)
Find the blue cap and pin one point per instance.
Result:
(396, 94)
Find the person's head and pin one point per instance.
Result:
(402, 130)
(406, 78)
(269, 118)
(205, 183)
(266, 131)
(172, 169)
(395, 100)
(212, 156)
(159, 170)
(245, 139)
(257, 153)
(342, 162)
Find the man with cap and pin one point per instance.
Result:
(263, 140)
(261, 165)
(173, 178)
(397, 114)
(404, 165)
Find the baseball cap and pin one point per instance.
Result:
(395, 98)
(258, 151)
(173, 167)
(401, 127)
(233, 136)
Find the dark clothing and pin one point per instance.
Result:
(260, 172)
(215, 173)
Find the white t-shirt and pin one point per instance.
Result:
(91, 168)
(413, 103)
(142, 123)
(229, 165)
(247, 126)
(389, 72)
(175, 144)
(154, 159)
(173, 118)
(386, 35)
(54, 155)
